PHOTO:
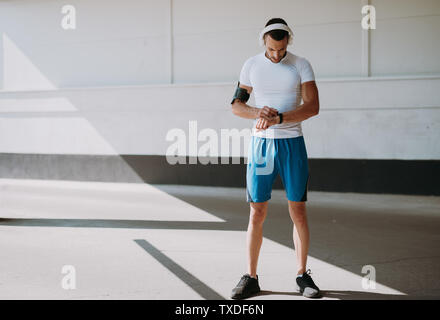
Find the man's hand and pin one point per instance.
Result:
(267, 113)
(263, 124)
(267, 117)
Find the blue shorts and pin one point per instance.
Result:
(269, 157)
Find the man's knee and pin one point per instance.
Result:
(258, 213)
(297, 211)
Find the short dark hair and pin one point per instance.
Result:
(276, 34)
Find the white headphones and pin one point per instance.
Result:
(276, 26)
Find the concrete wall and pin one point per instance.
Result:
(138, 42)
(116, 42)
(359, 119)
(406, 40)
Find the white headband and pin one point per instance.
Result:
(275, 26)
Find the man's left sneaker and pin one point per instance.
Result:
(306, 286)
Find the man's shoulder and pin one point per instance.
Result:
(296, 59)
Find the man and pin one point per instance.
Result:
(279, 80)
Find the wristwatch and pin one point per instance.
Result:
(281, 117)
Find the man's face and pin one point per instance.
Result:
(275, 50)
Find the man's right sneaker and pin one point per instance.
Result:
(246, 287)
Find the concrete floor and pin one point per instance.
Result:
(138, 241)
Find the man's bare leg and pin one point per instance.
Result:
(254, 236)
(301, 235)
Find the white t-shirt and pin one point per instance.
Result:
(277, 85)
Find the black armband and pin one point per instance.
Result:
(240, 94)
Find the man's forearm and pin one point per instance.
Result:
(303, 112)
(245, 111)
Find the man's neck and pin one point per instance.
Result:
(265, 54)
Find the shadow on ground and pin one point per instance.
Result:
(402, 245)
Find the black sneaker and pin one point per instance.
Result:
(306, 286)
(246, 287)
